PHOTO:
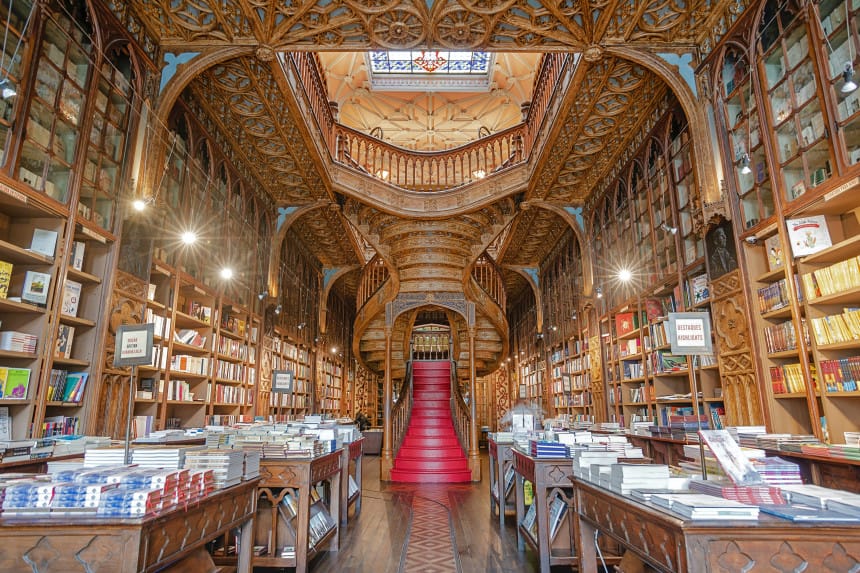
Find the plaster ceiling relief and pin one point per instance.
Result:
(534, 234)
(429, 120)
(326, 236)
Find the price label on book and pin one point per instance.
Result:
(690, 333)
(133, 344)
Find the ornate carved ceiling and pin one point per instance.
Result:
(503, 25)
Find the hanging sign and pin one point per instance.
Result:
(690, 333)
(133, 344)
(282, 381)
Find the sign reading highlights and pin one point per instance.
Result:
(690, 333)
(282, 381)
(133, 344)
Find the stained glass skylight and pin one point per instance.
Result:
(430, 70)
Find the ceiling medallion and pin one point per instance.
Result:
(430, 61)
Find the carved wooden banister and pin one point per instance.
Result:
(488, 276)
(402, 409)
(460, 413)
(373, 276)
(432, 170)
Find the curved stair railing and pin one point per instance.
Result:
(373, 276)
(488, 276)
(460, 412)
(401, 410)
(427, 171)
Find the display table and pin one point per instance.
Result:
(352, 452)
(297, 477)
(67, 544)
(549, 476)
(671, 544)
(501, 461)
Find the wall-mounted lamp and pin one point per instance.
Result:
(745, 164)
(668, 229)
(278, 309)
(301, 325)
(553, 328)
(848, 85)
(263, 295)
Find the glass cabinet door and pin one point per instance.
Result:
(55, 114)
(840, 21)
(11, 56)
(800, 143)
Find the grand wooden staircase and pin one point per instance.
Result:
(431, 452)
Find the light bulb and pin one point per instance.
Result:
(227, 273)
(849, 84)
(278, 309)
(8, 93)
(625, 275)
(745, 164)
(189, 237)
(139, 205)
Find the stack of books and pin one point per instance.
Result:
(227, 465)
(544, 449)
(702, 506)
(750, 494)
(584, 458)
(14, 341)
(155, 457)
(624, 478)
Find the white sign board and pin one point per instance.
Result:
(133, 344)
(690, 333)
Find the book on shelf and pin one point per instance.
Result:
(5, 278)
(557, 511)
(77, 255)
(14, 383)
(625, 323)
(36, 287)
(150, 291)
(529, 520)
(75, 384)
(774, 253)
(44, 242)
(808, 235)
(700, 289)
(65, 336)
(5, 424)
(71, 297)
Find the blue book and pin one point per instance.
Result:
(803, 513)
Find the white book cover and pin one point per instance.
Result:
(77, 258)
(808, 235)
(71, 297)
(731, 458)
(36, 287)
(44, 242)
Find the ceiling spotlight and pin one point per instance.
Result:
(624, 275)
(668, 229)
(8, 92)
(139, 205)
(189, 237)
(553, 328)
(263, 295)
(599, 292)
(745, 164)
(226, 273)
(278, 309)
(848, 86)
(334, 349)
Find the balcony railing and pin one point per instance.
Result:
(435, 170)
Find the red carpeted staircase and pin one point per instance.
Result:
(430, 452)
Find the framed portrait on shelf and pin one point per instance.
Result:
(720, 249)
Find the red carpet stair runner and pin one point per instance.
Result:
(430, 452)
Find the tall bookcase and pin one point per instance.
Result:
(331, 386)
(286, 355)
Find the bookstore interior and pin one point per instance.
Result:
(602, 260)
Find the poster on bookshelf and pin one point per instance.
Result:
(808, 235)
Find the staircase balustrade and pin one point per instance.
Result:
(460, 413)
(373, 276)
(488, 276)
(427, 171)
(402, 409)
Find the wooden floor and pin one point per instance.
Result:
(376, 541)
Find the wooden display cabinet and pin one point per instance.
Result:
(578, 367)
(231, 369)
(330, 376)
(502, 496)
(559, 379)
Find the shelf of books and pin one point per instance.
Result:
(78, 339)
(572, 380)
(532, 371)
(825, 241)
(233, 389)
(559, 379)
(330, 377)
(778, 331)
(288, 356)
(29, 235)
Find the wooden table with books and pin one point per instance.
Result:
(548, 525)
(353, 453)
(672, 544)
(501, 478)
(67, 543)
(293, 520)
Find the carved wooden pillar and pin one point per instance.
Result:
(387, 458)
(735, 354)
(474, 458)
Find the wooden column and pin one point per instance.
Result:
(386, 461)
(474, 458)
